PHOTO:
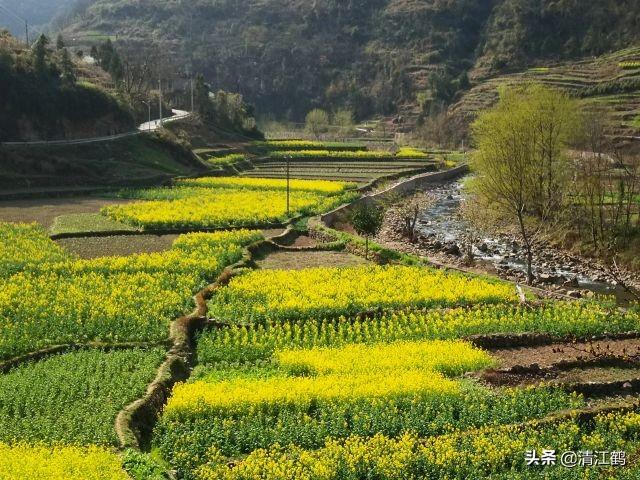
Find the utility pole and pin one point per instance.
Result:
(192, 99)
(288, 182)
(19, 18)
(160, 99)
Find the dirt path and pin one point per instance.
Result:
(45, 210)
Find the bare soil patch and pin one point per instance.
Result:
(94, 247)
(304, 241)
(597, 367)
(45, 210)
(548, 355)
(272, 232)
(301, 260)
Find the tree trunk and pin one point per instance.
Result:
(528, 247)
(530, 277)
(366, 247)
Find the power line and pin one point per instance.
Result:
(26, 23)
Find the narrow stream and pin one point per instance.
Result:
(441, 222)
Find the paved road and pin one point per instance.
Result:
(155, 124)
(145, 127)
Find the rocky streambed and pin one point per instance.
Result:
(443, 235)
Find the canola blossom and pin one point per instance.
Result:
(318, 292)
(309, 145)
(184, 438)
(361, 390)
(201, 207)
(112, 299)
(22, 243)
(408, 152)
(360, 154)
(316, 186)
(495, 452)
(242, 343)
(23, 461)
(447, 357)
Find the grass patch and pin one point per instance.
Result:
(89, 223)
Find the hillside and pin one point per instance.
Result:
(45, 100)
(376, 56)
(37, 12)
(611, 81)
(134, 161)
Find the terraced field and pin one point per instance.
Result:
(354, 171)
(388, 369)
(612, 80)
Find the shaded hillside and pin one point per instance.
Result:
(376, 56)
(44, 101)
(140, 160)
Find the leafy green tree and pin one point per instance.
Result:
(202, 98)
(521, 160)
(317, 122)
(67, 68)
(343, 119)
(60, 42)
(40, 53)
(367, 219)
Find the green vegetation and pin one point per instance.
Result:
(87, 222)
(73, 398)
(326, 292)
(375, 57)
(367, 221)
(110, 299)
(42, 91)
(521, 178)
(130, 161)
(228, 202)
(240, 344)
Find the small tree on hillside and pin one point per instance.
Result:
(521, 160)
(367, 221)
(40, 52)
(60, 42)
(67, 68)
(343, 119)
(317, 122)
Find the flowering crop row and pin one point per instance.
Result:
(309, 145)
(75, 397)
(488, 452)
(357, 389)
(188, 207)
(22, 243)
(445, 356)
(408, 152)
(110, 299)
(227, 159)
(260, 295)
(258, 342)
(377, 154)
(23, 461)
(315, 186)
(185, 439)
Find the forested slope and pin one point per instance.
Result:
(376, 56)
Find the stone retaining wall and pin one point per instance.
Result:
(402, 189)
